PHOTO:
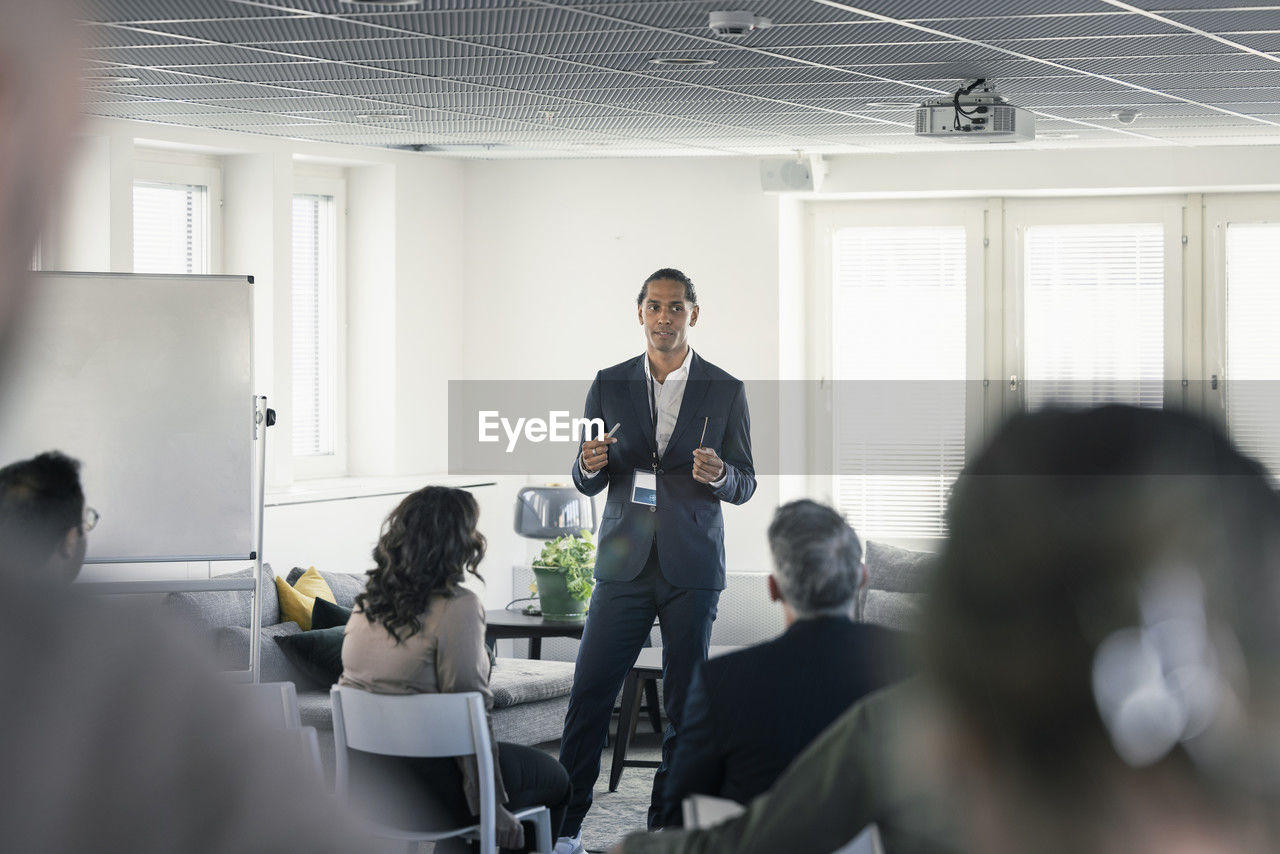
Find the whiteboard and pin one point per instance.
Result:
(148, 381)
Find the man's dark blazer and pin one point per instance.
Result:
(688, 522)
(749, 713)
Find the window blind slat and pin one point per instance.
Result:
(899, 317)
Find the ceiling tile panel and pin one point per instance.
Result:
(174, 10)
(384, 51)
(1235, 18)
(187, 55)
(273, 29)
(482, 21)
(1083, 27)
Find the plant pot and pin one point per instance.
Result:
(554, 596)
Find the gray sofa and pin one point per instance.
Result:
(896, 580)
(530, 697)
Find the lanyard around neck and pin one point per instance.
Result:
(653, 412)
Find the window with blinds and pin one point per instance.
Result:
(170, 228)
(1253, 359)
(1093, 314)
(314, 325)
(899, 351)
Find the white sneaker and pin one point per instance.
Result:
(569, 845)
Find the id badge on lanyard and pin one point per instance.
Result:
(644, 488)
(644, 484)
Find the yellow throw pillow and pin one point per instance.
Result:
(297, 601)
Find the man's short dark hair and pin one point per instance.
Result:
(40, 500)
(817, 556)
(674, 275)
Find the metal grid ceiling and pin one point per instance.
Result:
(575, 78)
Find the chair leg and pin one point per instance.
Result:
(626, 725)
(542, 826)
(651, 700)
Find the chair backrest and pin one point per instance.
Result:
(308, 745)
(275, 702)
(866, 842)
(413, 725)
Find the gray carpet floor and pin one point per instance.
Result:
(615, 814)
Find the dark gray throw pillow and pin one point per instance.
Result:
(326, 615)
(317, 654)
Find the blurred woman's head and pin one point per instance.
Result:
(428, 545)
(1102, 629)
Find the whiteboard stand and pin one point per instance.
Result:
(262, 418)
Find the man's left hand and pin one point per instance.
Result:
(707, 465)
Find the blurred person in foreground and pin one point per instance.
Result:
(417, 630)
(1102, 633)
(1103, 664)
(751, 712)
(43, 517)
(116, 733)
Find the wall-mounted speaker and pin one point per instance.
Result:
(791, 175)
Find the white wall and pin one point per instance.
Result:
(468, 270)
(556, 252)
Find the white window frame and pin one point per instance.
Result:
(1019, 214)
(156, 165)
(1219, 211)
(823, 220)
(320, 180)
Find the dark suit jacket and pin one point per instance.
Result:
(751, 712)
(688, 523)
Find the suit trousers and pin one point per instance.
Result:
(619, 620)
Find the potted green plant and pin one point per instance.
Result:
(563, 575)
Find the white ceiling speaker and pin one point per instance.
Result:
(736, 24)
(798, 174)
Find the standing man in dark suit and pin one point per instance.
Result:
(682, 447)
(751, 712)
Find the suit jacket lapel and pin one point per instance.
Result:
(640, 402)
(694, 390)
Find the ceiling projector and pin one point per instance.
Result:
(975, 113)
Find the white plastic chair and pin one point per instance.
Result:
(866, 842)
(276, 702)
(703, 811)
(425, 725)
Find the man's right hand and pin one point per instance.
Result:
(595, 453)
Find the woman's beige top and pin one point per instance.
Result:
(447, 657)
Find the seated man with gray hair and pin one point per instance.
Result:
(751, 712)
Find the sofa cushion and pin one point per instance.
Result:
(524, 680)
(209, 610)
(345, 585)
(892, 570)
(297, 599)
(232, 645)
(326, 615)
(891, 610)
(315, 709)
(317, 654)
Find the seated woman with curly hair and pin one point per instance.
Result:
(416, 629)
